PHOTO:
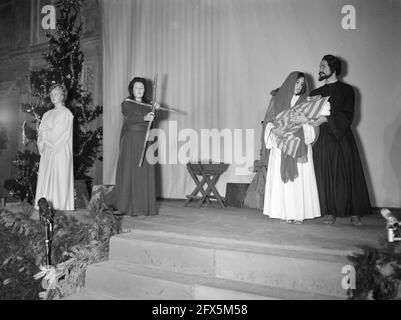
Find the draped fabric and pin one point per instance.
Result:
(218, 61)
(297, 199)
(278, 113)
(283, 96)
(290, 143)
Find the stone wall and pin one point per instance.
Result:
(22, 42)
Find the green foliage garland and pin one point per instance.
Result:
(75, 245)
(378, 272)
(21, 252)
(68, 277)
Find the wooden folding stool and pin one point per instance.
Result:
(209, 174)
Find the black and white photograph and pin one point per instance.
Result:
(200, 155)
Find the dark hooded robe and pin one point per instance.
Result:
(339, 175)
(280, 101)
(291, 191)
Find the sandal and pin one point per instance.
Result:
(330, 219)
(285, 221)
(298, 222)
(356, 221)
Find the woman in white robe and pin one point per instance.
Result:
(56, 177)
(296, 199)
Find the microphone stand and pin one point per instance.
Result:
(46, 215)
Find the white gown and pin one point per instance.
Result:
(56, 177)
(298, 199)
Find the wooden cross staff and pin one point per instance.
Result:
(150, 106)
(154, 102)
(153, 107)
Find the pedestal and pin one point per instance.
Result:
(235, 194)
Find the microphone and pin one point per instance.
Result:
(391, 220)
(46, 213)
(392, 225)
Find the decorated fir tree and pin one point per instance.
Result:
(64, 65)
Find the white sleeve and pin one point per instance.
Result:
(268, 136)
(309, 133)
(325, 109)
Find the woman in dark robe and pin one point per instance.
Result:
(135, 191)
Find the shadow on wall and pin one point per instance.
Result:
(354, 125)
(161, 115)
(361, 149)
(310, 80)
(392, 141)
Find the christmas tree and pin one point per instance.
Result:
(64, 65)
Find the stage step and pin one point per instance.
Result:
(146, 264)
(315, 271)
(122, 280)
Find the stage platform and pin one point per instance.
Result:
(250, 225)
(245, 224)
(213, 253)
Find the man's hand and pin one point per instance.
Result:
(278, 131)
(319, 121)
(310, 98)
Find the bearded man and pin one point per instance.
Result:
(339, 175)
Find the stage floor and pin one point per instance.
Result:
(242, 224)
(250, 225)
